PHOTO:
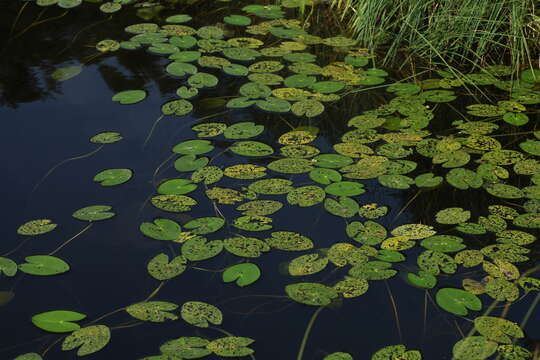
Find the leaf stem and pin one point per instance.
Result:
(70, 239)
(306, 333)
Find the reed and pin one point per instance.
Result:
(464, 33)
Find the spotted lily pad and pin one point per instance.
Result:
(245, 246)
(253, 223)
(160, 268)
(187, 347)
(198, 248)
(243, 130)
(396, 352)
(36, 227)
(90, 339)
(205, 225)
(343, 207)
(474, 347)
(152, 311)
(173, 203)
(177, 107)
(200, 314)
(453, 215)
(232, 346)
(311, 293)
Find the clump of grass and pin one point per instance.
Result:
(464, 33)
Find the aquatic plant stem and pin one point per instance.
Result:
(72, 238)
(39, 23)
(156, 290)
(152, 130)
(17, 18)
(394, 307)
(62, 163)
(80, 31)
(306, 333)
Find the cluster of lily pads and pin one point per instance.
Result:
(384, 143)
(108, 7)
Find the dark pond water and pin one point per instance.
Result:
(48, 122)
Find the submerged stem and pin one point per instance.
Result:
(70, 239)
(62, 163)
(152, 130)
(306, 333)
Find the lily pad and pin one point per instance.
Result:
(129, 96)
(94, 213)
(66, 73)
(111, 177)
(205, 225)
(243, 274)
(200, 314)
(161, 229)
(177, 107)
(474, 347)
(457, 301)
(43, 265)
(232, 346)
(344, 207)
(243, 130)
(245, 246)
(305, 196)
(190, 162)
(176, 187)
(198, 248)
(89, 339)
(36, 227)
(153, 311)
(311, 293)
(173, 203)
(160, 268)
(58, 321)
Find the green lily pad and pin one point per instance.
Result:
(91, 339)
(238, 20)
(236, 70)
(327, 87)
(142, 28)
(198, 248)
(178, 19)
(36, 227)
(423, 280)
(58, 321)
(436, 262)
(369, 232)
(531, 146)
(325, 176)
(308, 108)
(243, 130)
(517, 119)
(30, 356)
(243, 274)
(177, 107)
(504, 191)
(502, 290)
(260, 207)
(271, 186)
(173, 203)
(345, 188)
(396, 352)
(201, 314)
(443, 243)
(232, 346)
(245, 246)
(344, 207)
(338, 356)
(94, 213)
(176, 187)
(428, 180)
(210, 32)
(193, 147)
(183, 42)
(111, 177)
(190, 162)
(161, 229)
(395, 181)
(273, 104)
(529, 220)
(311, 293)
(152, 311)
(66, 73)
(464, 179)
(457, 301)
(129, 96)
(291, 166)
(181, 69)
(205, 225)
(332, 161)
(185, 57)
(255, 90)
(43, 265)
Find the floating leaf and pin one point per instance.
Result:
(457, 301)
(396, 352)
(306, 196)
(395, 181)
(502, 290)
(111, 177)
(8, 266)
(91, 339)
(177, 107)
(238, 20)
(107, 137)
(232, 346)
(311, 293)
(43, 265)
(345, 188)
(289, 241)
(338, 356)
(372, 270)
(180, 69)
(307, 265)
(369, 232)
(474, 347)
(161, 269)
(178, 19)
(260, 207)
(423, 280)
(244, 274)
(253, 223)
(193, 147)
(185, 347)
(245, 246)
(29, 356)
(190, 162)
(152, 311)
(173, 203)
(198, 249)
(464, 179)
(66, 73)
(36, 227)
(243, 130)
(497, 329)
(58, 321)
(200, 314)
(176, 187)
(202, 80)
(344, 207)
(129, 96)
(453, 215)
(94, 213)
(271, 186)
(205, 225)
(161, 229)
(332, 161)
